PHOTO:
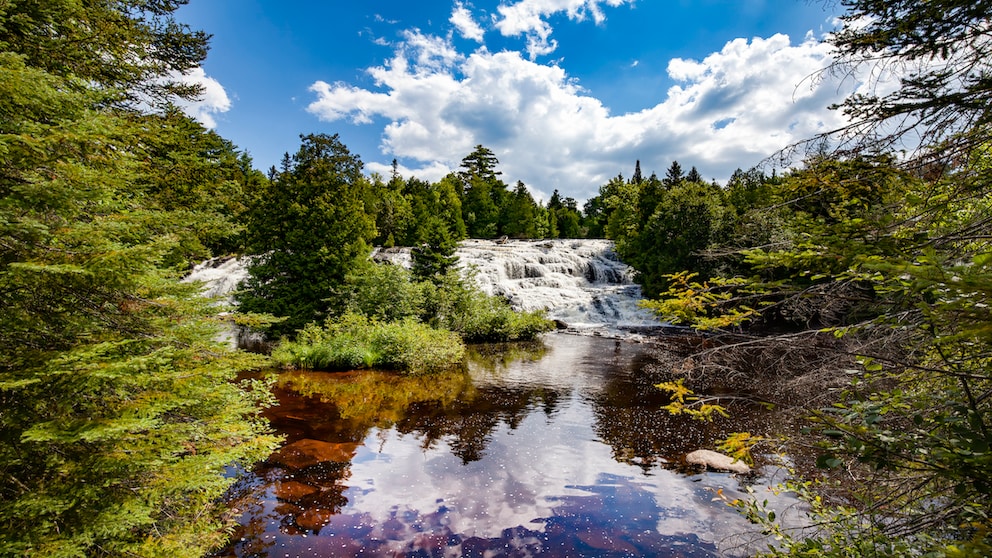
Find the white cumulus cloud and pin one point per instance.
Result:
(730, 109)
(461, 18)
(213, 99)
(530, 19)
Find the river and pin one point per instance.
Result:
(559, 448)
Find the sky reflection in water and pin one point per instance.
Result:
(559, 452)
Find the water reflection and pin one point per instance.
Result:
(557, 449)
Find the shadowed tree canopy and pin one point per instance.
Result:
(941, 52)
(119, 412)
(133, 50)
(306, 230)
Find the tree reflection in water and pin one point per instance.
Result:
(556, 449)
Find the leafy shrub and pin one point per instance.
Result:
(355, 341)
(458, 305)
(451, 301)
(382, 292)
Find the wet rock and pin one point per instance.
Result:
(305, 453)
(293, 491)
(715, 460)
(314, 518)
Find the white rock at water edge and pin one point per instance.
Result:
(715, 460)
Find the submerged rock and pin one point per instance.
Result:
(715, 460)
(305, 453)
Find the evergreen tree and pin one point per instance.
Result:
(305, 232)
(480, 163)
(481, 213)
(484, 194)
(942, 102)
(674, 176)
(594, 217)
(119, 414)
(434, 258)
(132, 50)
(521, 214)
(199, 177)
(392, 209)
(448, 206)
(693, 176)
(688, 219)
(882, 260)
(565, 217)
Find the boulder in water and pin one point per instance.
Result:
(306, 453)
(715, 460)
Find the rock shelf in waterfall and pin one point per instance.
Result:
(580, 282)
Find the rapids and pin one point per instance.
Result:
(581, 283)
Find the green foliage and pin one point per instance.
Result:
(943, 102)
(688, 218)
(520, 214)
(385, 293)
(199, 178)
(306, 230)
(119, 414)
(393, 211)
(132, 50)
(436, 256)
(739, 445)
(685, 401)
(894, 261)
(433, 205)
(713, 304)
(897, 266)
(458, 305)
(450, 301)
(354, 341)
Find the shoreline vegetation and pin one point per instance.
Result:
(389, 320)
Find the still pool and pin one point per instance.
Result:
(559, 448)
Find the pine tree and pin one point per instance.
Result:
(119, 414)
(520, 214)
(484, 195)
(433, 258)
(674, 176)
(306, 230)
(693, 176)
(637, 178)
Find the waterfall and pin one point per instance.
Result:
(580, 283)
(220, 277)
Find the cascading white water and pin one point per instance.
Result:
(220, 276)
(579, 282)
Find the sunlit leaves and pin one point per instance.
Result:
(705, 305)
(684, 401)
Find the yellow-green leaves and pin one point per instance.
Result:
(684, 401)
(707, 305)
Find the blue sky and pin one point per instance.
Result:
(567, 93)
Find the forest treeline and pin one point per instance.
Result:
(121, 416)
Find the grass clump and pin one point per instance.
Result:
(354, 341)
